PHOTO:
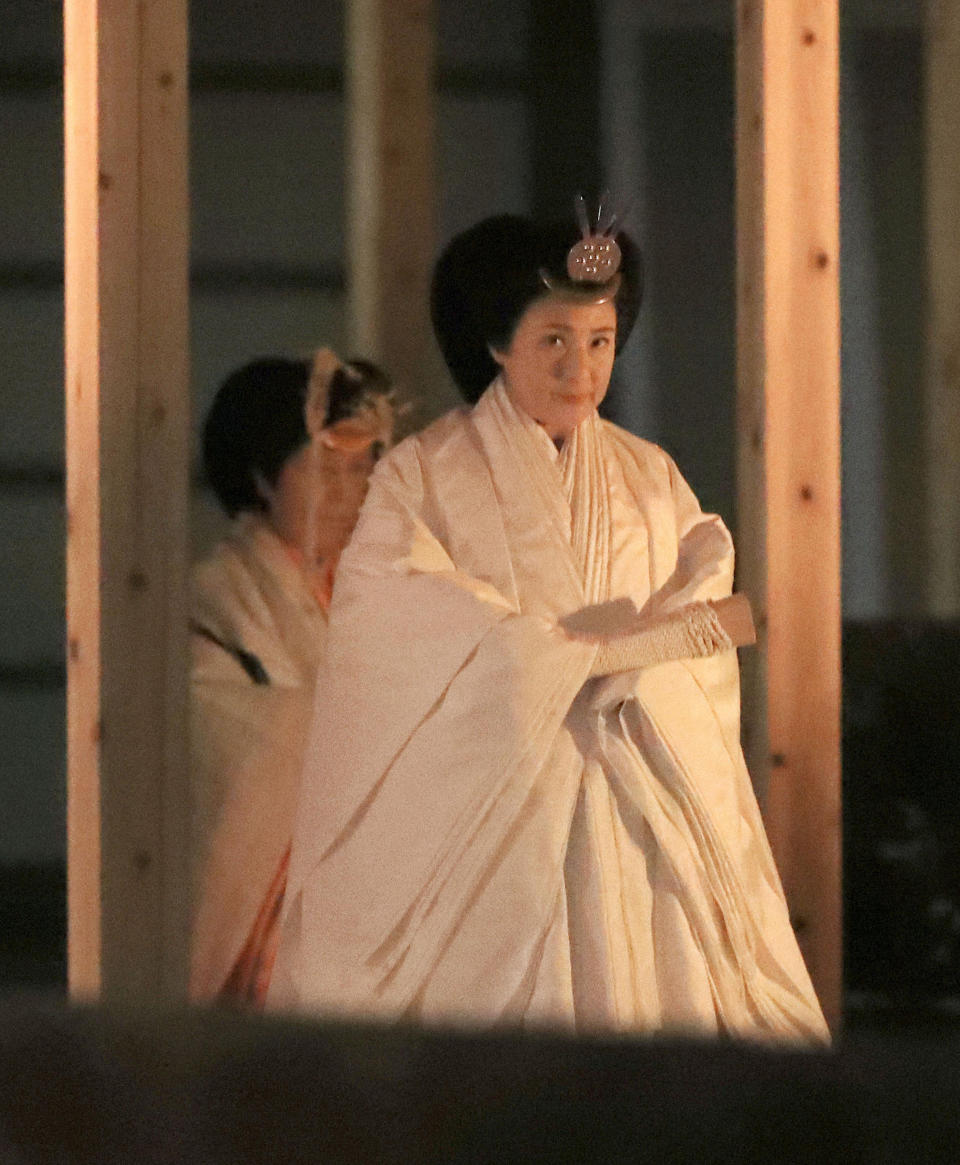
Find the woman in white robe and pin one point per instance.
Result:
(548, 820)
(258, 627)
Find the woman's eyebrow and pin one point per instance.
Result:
(558, 327)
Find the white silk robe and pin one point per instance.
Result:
(485, 833)
(247, 739)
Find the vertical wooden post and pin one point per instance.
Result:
(789, 448)
(942, 414)
(391, 228)
(125, 90)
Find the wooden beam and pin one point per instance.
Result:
(942, 412)
(391, 222)
(788, 353)
(125, 81)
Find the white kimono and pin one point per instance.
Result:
(258, 635)
(509, 840)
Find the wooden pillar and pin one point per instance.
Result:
(788, 355)
(127, 442)
(391, 228)
(942, 412)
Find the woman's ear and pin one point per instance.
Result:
(496, 354)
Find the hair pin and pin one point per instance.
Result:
(595, 257)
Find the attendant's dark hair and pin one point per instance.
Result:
(256, 423)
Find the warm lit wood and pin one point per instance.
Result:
(942, 413)
(127, 442)
(789, 449)
(391, 227)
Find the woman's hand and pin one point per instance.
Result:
(736, 618)
(620, 617)
(629, 642)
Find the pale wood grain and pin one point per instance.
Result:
(942, 406)
(392, 196)
(127, 467)
(789, 450)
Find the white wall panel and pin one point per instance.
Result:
(31, 175)
(31, 377)
(31, 577)
(492, 33)
(30, 30)
(283, 32)
(294, 32)
(32, 776)
(266, 178)
(482, 158)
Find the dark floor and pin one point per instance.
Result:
(33, 927)
(85, 1085)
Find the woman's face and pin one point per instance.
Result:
(339, 481)
(557, 367)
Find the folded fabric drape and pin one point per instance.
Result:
(258, 637)
(487, 832)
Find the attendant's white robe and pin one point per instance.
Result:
(247, 738)
(486, 834)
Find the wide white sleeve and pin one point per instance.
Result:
(246, 754)
(427, 792)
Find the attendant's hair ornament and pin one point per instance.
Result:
(326, 364)
(368, 424)
(371, 416)
(593, 262)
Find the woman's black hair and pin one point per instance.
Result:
(256, 423)
(489, 275)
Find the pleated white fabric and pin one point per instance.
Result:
(247, 739)
(485, 834)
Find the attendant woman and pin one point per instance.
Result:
(288, 447)
(550, 820)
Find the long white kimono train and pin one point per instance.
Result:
(486, 834)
